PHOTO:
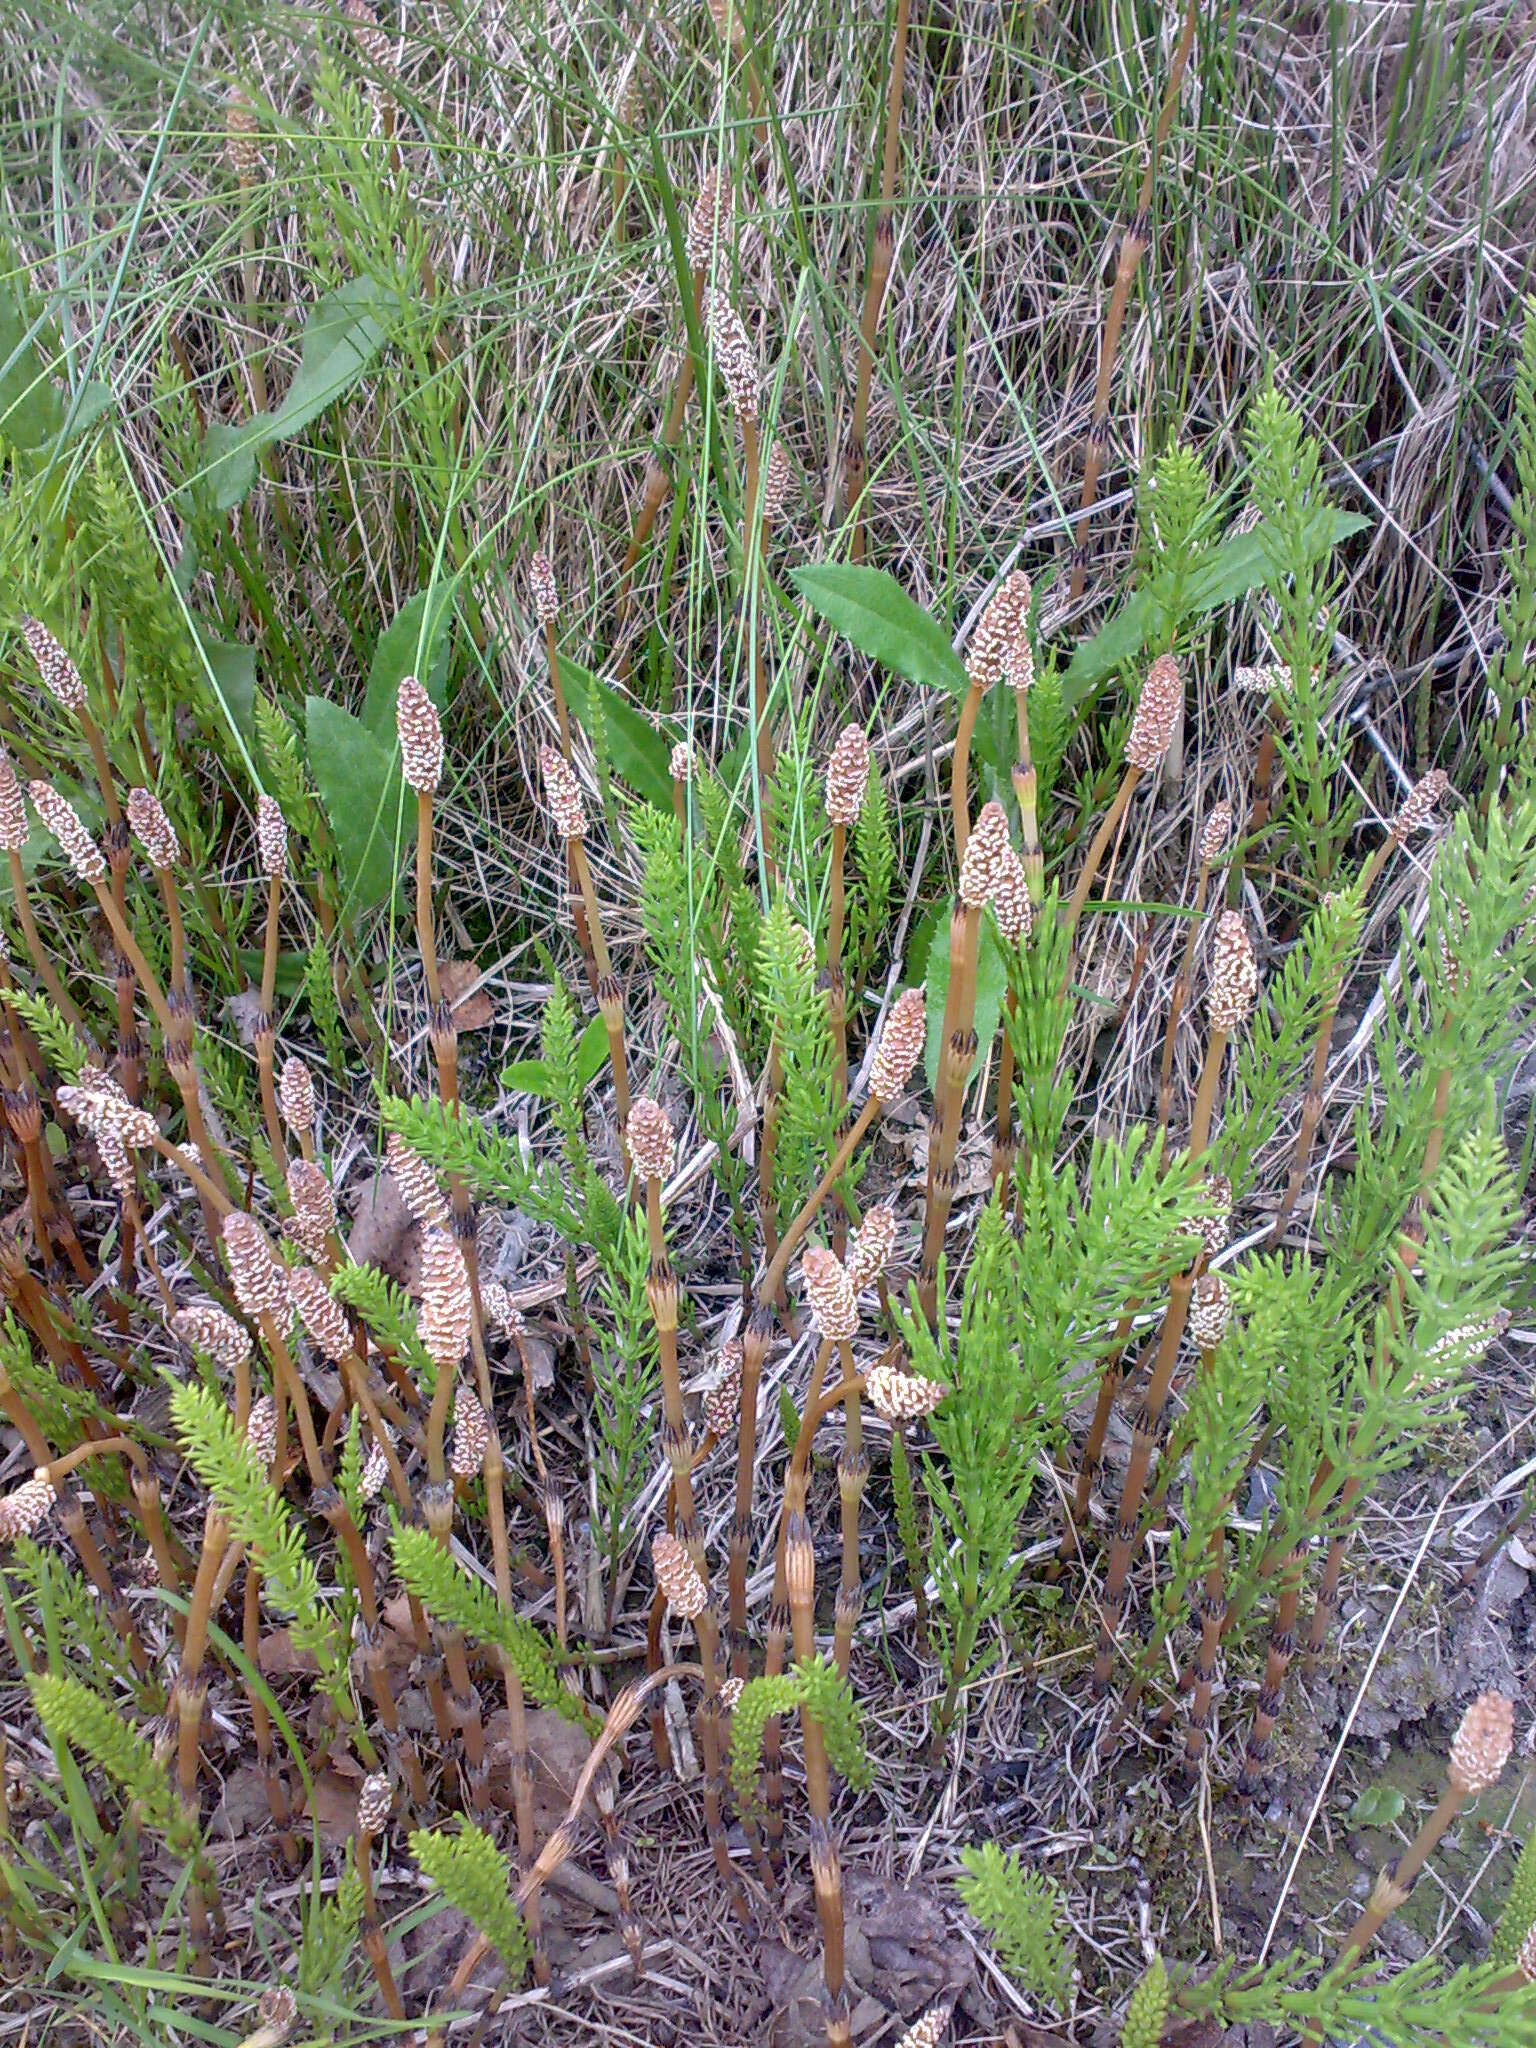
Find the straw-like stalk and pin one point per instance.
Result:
(1479, 1752)
(1133, 246)
(370, 1932)
(852, 1478)
(826, 1871)
(1099, 847)
(957, 1056)
(661, 1295)
(1127, 1522)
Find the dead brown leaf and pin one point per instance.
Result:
(472, 1007)
(384, 1233)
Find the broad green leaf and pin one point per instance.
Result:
(1231, 571)
(234, 676)
(365, 799)
(1377, 1807)
(412, 644)
(639, 753)
(532, 1077)
(528, 1077)
(991, 986)
(592, 1053)
(31, 403)
(343, 334)
(870, 608)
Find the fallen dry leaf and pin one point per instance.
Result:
(472, 1007)
(383, 1232)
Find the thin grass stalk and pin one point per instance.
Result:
(876, 277)
(1133, 246)
(1097, 850)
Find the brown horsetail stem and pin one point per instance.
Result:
(994, 651)
(1152, 728)
(653, 1151)
(1480, 1750)
(1415, 814)
(1214, 838)
(1234, 985)
(562, 792)
(877, 276)
(826, 1869)
(1134, 241)
(981, 868)
(847, 779)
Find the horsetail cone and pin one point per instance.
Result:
(296, 1095)
(373, 45)
(1217, 834)
(1215, 1221)
(375, 1472)
(63, 821)
(1210, 1311)
(834, 1304)
(776, 482)
(314, 1204)
(847, 776)
(105, 1111)
(205, 1326)
(471, 1436)
(501, 1310)
(153, 830)
(416, 1182)
(1481, 1745)
(900, 1047)
(929, 2030)
(1417, 810)
(1234, 985)
(260, 1281)
(709, 224)
(447, 1306)
(1010, 900)
(902, 1396)
(60, 677)
(13, 809)
(562, 792)
(680, 762)
(261, 1429)
(421, 737)
(324, 1322)
(271, 839)
(649, 1136)
(1156, 717)
(375, 1803)
(734, 356)
(870, 1248)
(1001, 631)
(722, 1403)
(24, 1510)
(1526, 1960)
(546, 591)
(678, 1581)
(277, 2010)
(242, 135)
(984, 861)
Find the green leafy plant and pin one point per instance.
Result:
(1022, 1912)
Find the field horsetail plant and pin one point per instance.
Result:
(741, 1292)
